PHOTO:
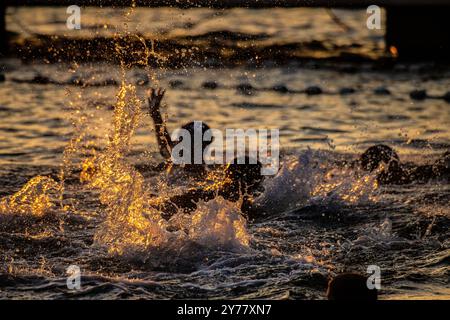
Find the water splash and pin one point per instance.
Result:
(122, 187)
(36, 198)
(218, 222)
(346, 186)
(313, 178)
(133, 225)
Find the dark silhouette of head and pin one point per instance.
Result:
(191, 128)
(243, 177)
(371, 159)
(350, 287)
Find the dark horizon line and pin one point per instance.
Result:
(224, 4)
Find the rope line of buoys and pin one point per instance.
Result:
(245, 89)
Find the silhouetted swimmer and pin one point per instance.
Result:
(198, 169)
(165, 143)
(239, 181)
(375, 155)
(436, 171)
(2, 77)
(439, 170)
(394, 172)
(350, 287)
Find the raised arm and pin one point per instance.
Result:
(162, 135)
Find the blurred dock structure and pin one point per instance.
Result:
(414, 28)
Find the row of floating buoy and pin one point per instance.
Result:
(243, 88)
(248, 89)
(77, 81)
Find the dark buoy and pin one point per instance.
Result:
(345, 91)
(313, 90)
(41, 80)
(446, 96)
(350, 287)
(210, 85)
(76, 80)
(175, 83)
(142, 80)
(281, 88)
(110, 82)
(418, 94)
(382, 91)
(245, 89)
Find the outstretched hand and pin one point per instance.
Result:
(154, 100)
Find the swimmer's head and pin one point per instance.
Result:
(350, 287)
(191, 129)
(376, 155)
(244, 176)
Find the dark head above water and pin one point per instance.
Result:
(350, 287)
(191, 128)
(396, 173)
(374, 156)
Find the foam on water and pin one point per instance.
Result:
(219, 222)
(313, 178)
